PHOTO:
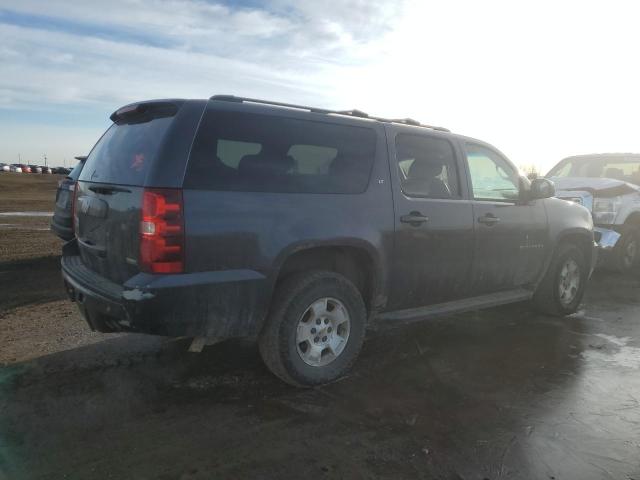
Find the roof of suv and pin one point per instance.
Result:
(255, 105)
(144, 107)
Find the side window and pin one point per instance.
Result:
(492, 178)
(265, 153)
(230, 152)
(427, 167)
(562, 170)
(313, 159)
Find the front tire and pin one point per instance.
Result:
(627, 251)
(564, 284)
(315, 329)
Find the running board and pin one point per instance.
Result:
(456, 306)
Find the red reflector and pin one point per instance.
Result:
(162, 231)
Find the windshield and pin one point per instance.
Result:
(619, 168)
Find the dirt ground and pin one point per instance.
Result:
(25, 239)
(503, 393)
(35, 318)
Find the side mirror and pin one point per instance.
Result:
(541, 188)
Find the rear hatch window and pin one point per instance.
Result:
(74, 174)
(125, 152)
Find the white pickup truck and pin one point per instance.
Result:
(609, 186)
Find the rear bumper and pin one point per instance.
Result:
(221, 304)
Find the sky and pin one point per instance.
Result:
(539, 80)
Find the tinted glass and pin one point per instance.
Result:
(492, 178)
(263, 153)
(125, 152)
(427, 167)
(618, 168)
(75, 173)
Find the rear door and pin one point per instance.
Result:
(433, 239)
(109, 196)
(511, 237)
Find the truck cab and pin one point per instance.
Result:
(608, 185)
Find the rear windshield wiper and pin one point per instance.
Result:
(107, 189)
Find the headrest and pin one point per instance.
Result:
(341, 165)
(616, 173)
(265, 164)
(422, 168)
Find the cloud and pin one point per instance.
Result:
(62, 59)
(498, 70)
(295, 28)
(91, 52)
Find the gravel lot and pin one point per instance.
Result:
(35, 318)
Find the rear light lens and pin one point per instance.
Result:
(162, 231)
(74, 217)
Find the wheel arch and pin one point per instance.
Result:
(582, 238)
(356, 260)
(633, 219)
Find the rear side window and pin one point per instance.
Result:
(263, 153)
(427, 167)
(125, 152)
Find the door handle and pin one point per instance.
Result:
(488, 220)
(415, 219)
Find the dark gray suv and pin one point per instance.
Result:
(235, 217)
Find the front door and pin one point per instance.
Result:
(433, 244)
(511, 236)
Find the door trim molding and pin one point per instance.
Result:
(456, 306)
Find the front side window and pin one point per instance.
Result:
(264, 153)
(427, 167)
(492, 178)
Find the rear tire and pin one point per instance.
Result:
(315, 329)
(564, 284)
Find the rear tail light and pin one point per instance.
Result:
(162, 231)
(74, 218)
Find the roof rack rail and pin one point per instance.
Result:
(351, 113)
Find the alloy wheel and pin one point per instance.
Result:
(323, 332)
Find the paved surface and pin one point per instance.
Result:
(498, 394)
